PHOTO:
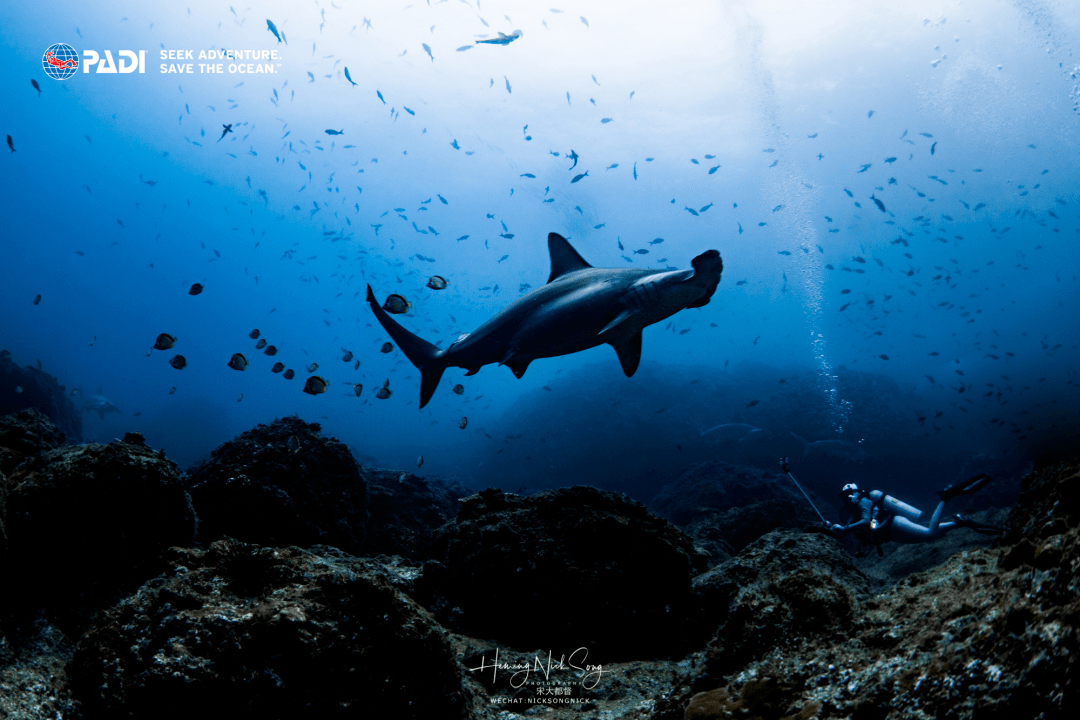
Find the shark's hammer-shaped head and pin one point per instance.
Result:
(658, 296)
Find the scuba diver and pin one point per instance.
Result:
(875, 517)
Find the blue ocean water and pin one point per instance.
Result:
(892, 189)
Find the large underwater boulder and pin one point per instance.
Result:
(563, 569)
(281, 484)
(31, 387)
(784, 589)
(26, 434)
(85, 521)
(259, 632)
(725, 507)
(405, 510)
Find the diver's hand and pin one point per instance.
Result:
(838, 529)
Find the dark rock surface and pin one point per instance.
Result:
(27, 387)
(899, 560)
(404, 511)
(782, 590)
(266, 633)
(33, 677)
(1049, 505)
(83, 520)
(281, 484)
(26, 434)
(563, 569)
(726, 507)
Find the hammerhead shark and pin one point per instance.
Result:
(99, 404)
(580, 307)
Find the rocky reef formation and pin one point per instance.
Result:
(725, 507)
(84, 523)
(257, 632)
(988, 633)
(404, 511)
(281, 484)
(27, 387)
(573, 603)
(563, 569)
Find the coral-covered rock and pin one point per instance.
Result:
(404, 511)
(82, 520)
(281, 484)
(31, 387)
(782, 590)
(255, 632)
(726, 507)
(26, 434)
(567, 568)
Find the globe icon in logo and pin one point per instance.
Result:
(60, 61)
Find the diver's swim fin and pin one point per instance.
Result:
(976, 483)
(964, 521)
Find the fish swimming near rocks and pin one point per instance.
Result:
(580, 307)
(839, 449)
(99, 404)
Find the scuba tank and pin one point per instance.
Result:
(893, 506)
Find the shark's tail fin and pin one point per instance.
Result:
(805, 443)
(427, 358)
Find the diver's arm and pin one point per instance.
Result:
(865, 510)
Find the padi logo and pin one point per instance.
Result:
(60, 61)
(129, 61)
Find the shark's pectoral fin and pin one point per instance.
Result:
(518, 366)
(618, 319)
(629, 352)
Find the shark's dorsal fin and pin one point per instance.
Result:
(629, 352)
(564, 258)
